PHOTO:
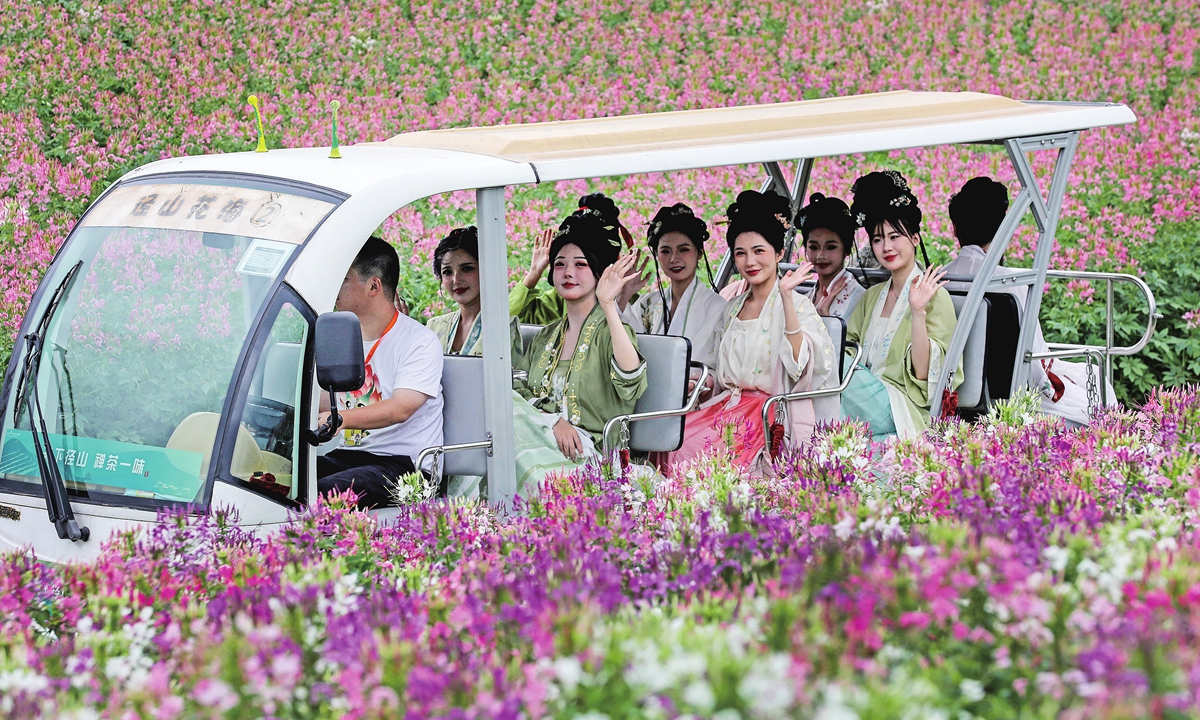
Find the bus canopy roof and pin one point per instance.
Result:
(656, 142)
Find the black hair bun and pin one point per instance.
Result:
(677, 218)
(602, 204)
(594, 232)
(767, 214)
(978, 210)
(884, 196)
(466, 239)
(828, 213)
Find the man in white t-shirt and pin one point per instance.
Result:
(398, 411)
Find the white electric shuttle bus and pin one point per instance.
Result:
(174, 351)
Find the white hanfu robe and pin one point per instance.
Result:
(846, 298)
(755, 361)
(700, 313)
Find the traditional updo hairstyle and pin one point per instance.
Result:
(831, 214)
(978, 210)
(465, 239)
(676, 218)
(767, 214)
(883, 196)
(594, 229)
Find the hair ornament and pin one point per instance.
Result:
(860, 219)
(897, 179)
(900, 201)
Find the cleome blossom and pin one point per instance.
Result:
(999, 569)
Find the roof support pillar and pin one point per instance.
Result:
(497, 348)
(1045, 213)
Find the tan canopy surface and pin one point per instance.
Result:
(903, 112)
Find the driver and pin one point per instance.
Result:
(398, 410)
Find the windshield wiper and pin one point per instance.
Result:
(58, 505)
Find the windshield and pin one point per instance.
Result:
(139, 354)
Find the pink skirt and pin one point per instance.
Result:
(737, 429)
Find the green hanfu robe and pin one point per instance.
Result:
(887, 356)
(446, 327)
(587, 390)
(535, 307)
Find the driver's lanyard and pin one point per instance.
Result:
(371, 354)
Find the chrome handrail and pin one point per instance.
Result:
(1109, 279)
(438, 450)
(811, 394)
(688, 406)
(1107, 350)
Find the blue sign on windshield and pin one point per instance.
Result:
(109, 465)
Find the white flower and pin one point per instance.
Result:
(767, 689)
(972, 690)
(1057, 557)
(834, 707)
(569, 672)
(700, 696)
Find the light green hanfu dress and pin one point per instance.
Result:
(891, 398)
(540, 306)
(587, 390)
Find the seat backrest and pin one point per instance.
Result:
(970, 392)
(668, 362)
(1004, 325)
(527, 333)
(836, 327)
(462, 417)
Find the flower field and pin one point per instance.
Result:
(1010, 569)
(90, 90)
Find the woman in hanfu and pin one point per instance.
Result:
(582, 370)
(541, 306)
(456, 265)
(904, 324)
(687, 307)
(772, 341)
(828, 232)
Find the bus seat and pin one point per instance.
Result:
(282, 365)
(197, 433)
(462, 416)
(668, 364)
(527, 333)
(1004, 324)
(836, 327)
(970, 392)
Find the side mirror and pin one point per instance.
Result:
(339, 352)
(339, 359)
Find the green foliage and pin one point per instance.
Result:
(1170, 266)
